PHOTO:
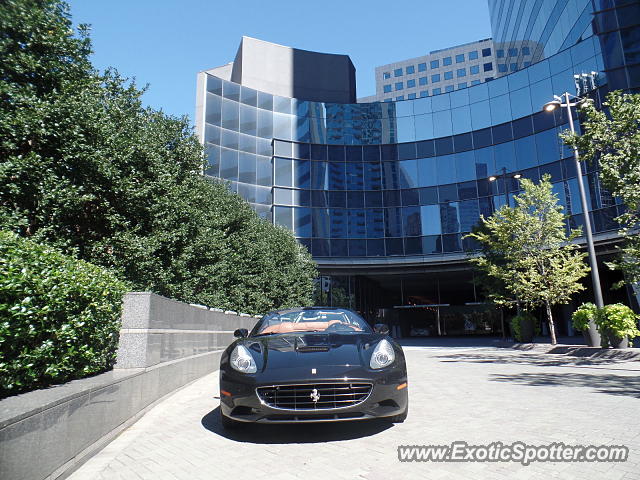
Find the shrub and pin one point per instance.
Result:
(516, 324)
(583, 315)
(618, 320)
(59, 316)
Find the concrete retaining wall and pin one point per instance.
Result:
(164, 345)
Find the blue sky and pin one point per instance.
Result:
(164, 43)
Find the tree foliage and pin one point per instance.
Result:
(611, 137)
(528, 252)
(86, 168)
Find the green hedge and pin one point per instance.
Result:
(59, 316)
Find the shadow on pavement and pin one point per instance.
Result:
(609, 384)
(291, 433)
(516, 357)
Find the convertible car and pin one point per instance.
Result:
(312, 364)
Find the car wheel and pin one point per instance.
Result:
(228, 423)
(400, 418)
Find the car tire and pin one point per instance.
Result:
(228, 423)
(401, 417)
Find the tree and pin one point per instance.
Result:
(85, 167)
(611, 138)
(529, 252)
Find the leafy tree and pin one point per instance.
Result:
(611, 137)
(531, 257)
(86, 168)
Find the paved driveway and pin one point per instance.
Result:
(478, 395)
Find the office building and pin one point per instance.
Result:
(382, 193)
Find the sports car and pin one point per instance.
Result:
(312, 364)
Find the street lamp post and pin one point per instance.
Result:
(504, 176)
(594, 336)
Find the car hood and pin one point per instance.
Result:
(312, 350)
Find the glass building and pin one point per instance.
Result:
(383, 193)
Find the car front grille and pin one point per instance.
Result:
(314, 396)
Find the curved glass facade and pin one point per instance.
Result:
(383, 193)
(403, 178)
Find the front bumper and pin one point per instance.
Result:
(240, 401)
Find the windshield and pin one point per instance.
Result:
(329, 321)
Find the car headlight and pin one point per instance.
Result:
(242, 361)
(383, 355)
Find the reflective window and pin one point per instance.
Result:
(461, 72)
(446, 61)
(399, 85)
(423, 93)
(411, 83)
(338, 222)
(229, 164)
(355, 176)
(435, 78)
(502, 67)
(430, 220)
(422, 81)
(486, 52)
(435, 63)
(462, 85)
(357, 223)
(469, 214)
(400, 97)
(397, 72)
(337, 176)
(473, 55)
(386, 88)
(422, 67)
(449, 217)
(474, 69)
(247, 168)
(487, 67)
(500, 53)
(230, 115)
(460, 58)
(411, 96)
(526, 51)
(410, 70)
(446, 169)
(386, 75)
(301, 173)
(449, 88)
(411, 221)
(448, 75)
(283, 216)
(437, 91)
(513, 52)
(393, 222)
(320, 219)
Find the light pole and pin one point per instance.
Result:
(504, 176)
(564, 101)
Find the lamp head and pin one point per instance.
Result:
(492, 178)
(551, 106)
(517, 175)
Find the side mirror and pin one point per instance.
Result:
(242, 333)
(382, 328)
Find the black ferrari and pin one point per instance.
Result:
(312, 364)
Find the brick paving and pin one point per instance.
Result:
(478, 395)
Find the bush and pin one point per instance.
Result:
(516, 325)
(583, 315)
(59, 316)
(617, 320)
